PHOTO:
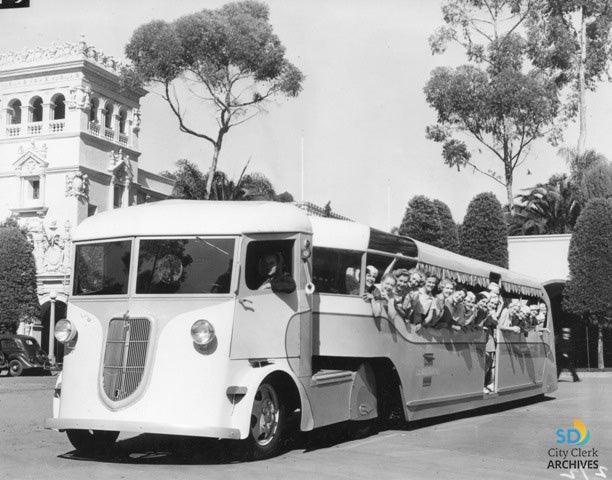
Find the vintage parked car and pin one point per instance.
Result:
(21, 352)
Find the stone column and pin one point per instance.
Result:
(110, 200)
(52, 297)
(125, 197)
(46, 117)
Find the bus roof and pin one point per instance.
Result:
(194, 217)
(200, 217)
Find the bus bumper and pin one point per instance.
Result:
(62, 424)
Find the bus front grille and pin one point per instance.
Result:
(125, 356)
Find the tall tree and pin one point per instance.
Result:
(493, 102)
(588, 291)
(421, 221)
(18, 291)
(484, 233)
(449, 235)
(228, 58)
(572, 40)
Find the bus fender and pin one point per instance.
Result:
(289, 386)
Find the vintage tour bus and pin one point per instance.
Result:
(222, 319)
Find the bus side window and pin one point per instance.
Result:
(257, 251)
(382, 262)
(336, 271)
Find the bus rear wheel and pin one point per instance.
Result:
(92, 441)
(267, 423)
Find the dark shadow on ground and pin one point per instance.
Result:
(147, 449)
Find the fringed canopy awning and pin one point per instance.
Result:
(473, 272)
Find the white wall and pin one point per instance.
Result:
(543, 257)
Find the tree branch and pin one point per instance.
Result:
(178, 115)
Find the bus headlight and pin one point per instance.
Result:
(64, 331)
(202, 332)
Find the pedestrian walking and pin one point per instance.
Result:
(565, 354)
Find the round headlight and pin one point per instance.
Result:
(202, 332)
(64, 331)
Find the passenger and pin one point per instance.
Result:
(482, 311)
(495, 289)
(417, 280)
(400, 292)
(384, 303)
(457, 310)
(443, 315)
(490, 324)
(272, 276)
(424, 309)
(470, 311)
(541, 318)
(371, 291)
(510, 317)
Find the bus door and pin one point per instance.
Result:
(520, 359)
(271, 318)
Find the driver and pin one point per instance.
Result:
(270, 270)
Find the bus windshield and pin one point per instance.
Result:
(179, 266)
(102, 268)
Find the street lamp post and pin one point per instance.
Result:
(52, 298)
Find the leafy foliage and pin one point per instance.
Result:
(191, 183)
(229, 58)
(484, 233)
(18, 291)
(547, 208)
(492, 101)
(449, 234)
(588, 291)
(421, 221)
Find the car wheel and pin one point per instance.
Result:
(92, 441)
(267, 423)
(15, 368)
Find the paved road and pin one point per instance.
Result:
(505, 443)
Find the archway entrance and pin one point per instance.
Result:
(60, 312)
(584, 336)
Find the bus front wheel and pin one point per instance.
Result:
(92, 441)
(267, 423)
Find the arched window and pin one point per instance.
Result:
(122, 120)
(108, 116)
(58, 105)
(14, 112)
(93, 109)
(37, 109)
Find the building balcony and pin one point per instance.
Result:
(54, 127)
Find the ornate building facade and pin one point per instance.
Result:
(68, 149)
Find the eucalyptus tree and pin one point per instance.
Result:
(229, 59)
(497, 102)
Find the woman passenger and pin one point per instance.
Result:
(386, 301)
(424, 309)
(370, 290)
(443, 317)
(470, 311)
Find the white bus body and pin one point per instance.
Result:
(132, 363)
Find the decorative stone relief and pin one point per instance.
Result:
(136, 123)
(120, 167)
(77, 185)
(79, 97)
(31, 160)
(56, 51)
(51, 245)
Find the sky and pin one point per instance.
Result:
(356, 131)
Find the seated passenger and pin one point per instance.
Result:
(482, 310)
(454, 305)
(511, 317)
(384, 303)
(417, 280)
(470, 311)
(494, 289)
(402, 277)
(424, 307)
(443, 317)
(272, 276)
(541, 318)
(371, 291)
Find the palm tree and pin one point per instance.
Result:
(546, 208)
